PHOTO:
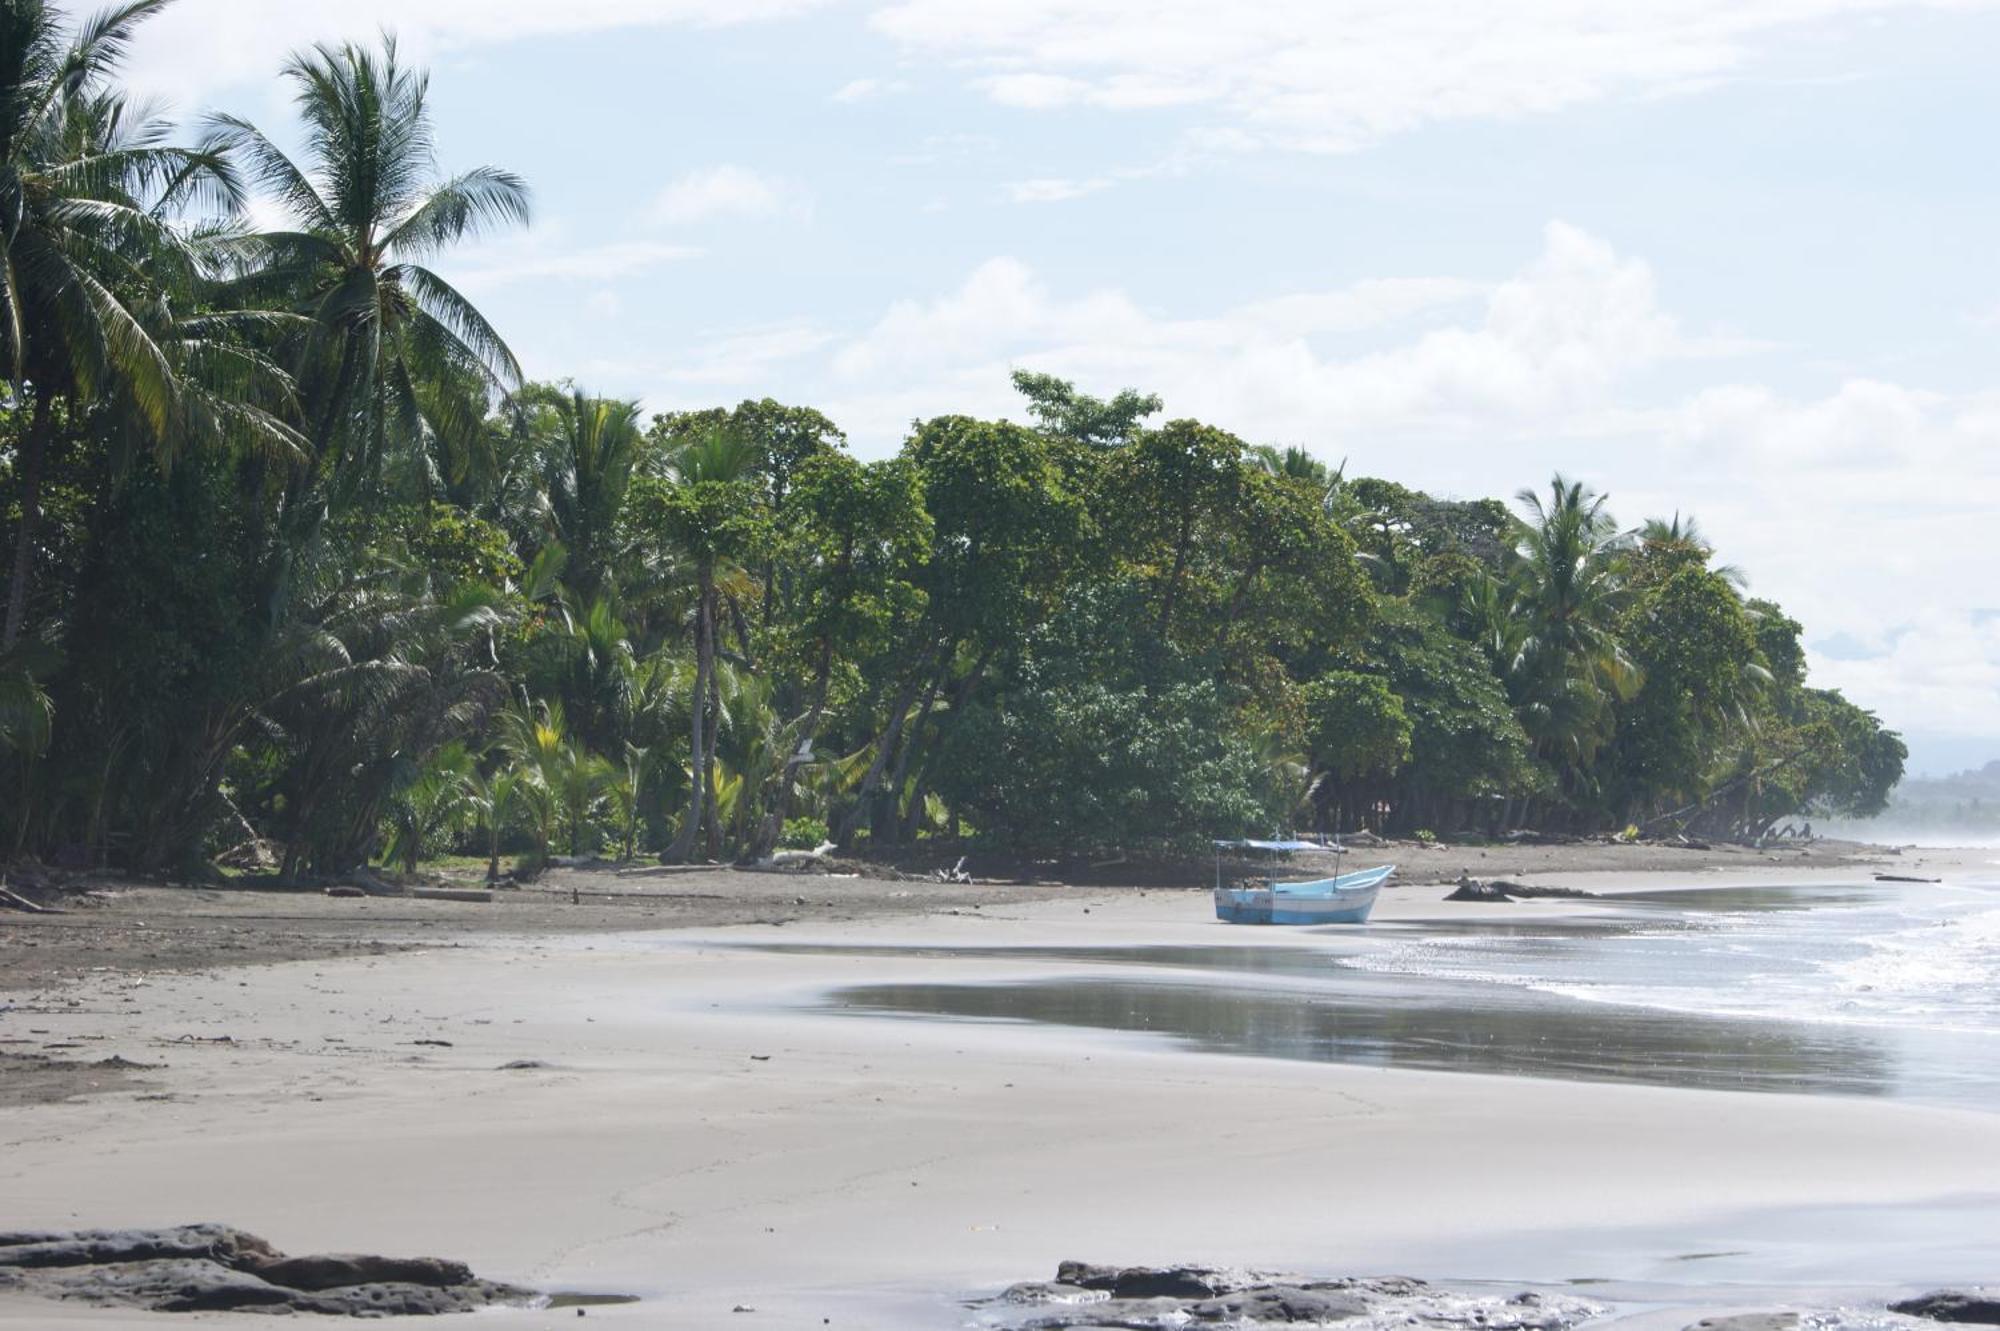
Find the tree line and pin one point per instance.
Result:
(301, 560)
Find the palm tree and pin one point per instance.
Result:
(1681, 538)
(396, 354)
(438, 801)
(589, 447)
(710, 516)
(1568, 665)
(87, 185)
(492, 799)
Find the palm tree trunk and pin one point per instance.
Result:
(34, 456)
(704, 656)
(913, 814)
(781, 802)
(891, 734)
(891, 828)
(713, 819)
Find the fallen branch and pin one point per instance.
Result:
(15, 901)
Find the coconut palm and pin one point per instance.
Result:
(396, 355)
(1569, 665)
(589, 447)
(711, 515)
(1681, 537)
(492, 799)
(88, 183)
(437, 802)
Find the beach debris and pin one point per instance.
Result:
(955, 874)
(524, 1065)
(1980, 1306)
(1472, 889)
(374, 884)
(343, 890)
(1904, 878)
(216, 1268)
(1144, 1298)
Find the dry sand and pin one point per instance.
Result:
(701, 1140)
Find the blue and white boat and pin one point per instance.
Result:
(1346, 899)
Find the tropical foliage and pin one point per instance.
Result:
(297, 558)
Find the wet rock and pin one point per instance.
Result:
(405, 1300)
(1748, 1322)
(1148, 1282)
(334, 1270)
(1174, 1298)
(1471, 890)
(1113, 1315)
(214, 1268)
(175, 1285)
(1050, 1291)
(1278, 1303)
(1978, 1306)
(96, 1247)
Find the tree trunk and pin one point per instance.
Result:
(894, 824)
(913, 814)
(781, 802)
(34, 458)
(891, 733)
(704, 655)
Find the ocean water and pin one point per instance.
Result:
(1894, 958)
(1879, 990)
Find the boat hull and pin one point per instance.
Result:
(1344, 900)
(1236, 905)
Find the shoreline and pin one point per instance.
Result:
(694, 1138)
(144, 928)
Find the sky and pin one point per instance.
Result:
(1738, 259)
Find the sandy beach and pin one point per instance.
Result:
(698, 1133)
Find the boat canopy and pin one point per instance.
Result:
(1241, 843)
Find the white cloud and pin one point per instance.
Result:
(723, 192)
(1338, 74)
(1555, 336)
(744, 356)
(199, 47)
(515, 260)
(1051, 189)
(864, 90)
(1865, 510)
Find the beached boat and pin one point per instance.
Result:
(1343, 900)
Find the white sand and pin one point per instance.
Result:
(870, 1166)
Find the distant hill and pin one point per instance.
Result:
(1967, 800)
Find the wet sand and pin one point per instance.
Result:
(700, 1138)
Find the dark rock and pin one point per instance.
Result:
(212, 1268)
(1161, 1314)
(1748, 1322)
(1278, 1303)
(1468, 890)
(1520, 891)
(335, 1270)
(95, 1247)
(405, 1300)
(1049, 1291)
(1147, 1282)
(1980, 1306)
(175, 1285)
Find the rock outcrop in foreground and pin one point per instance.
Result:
(1084, 1297)
(213, 1268)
